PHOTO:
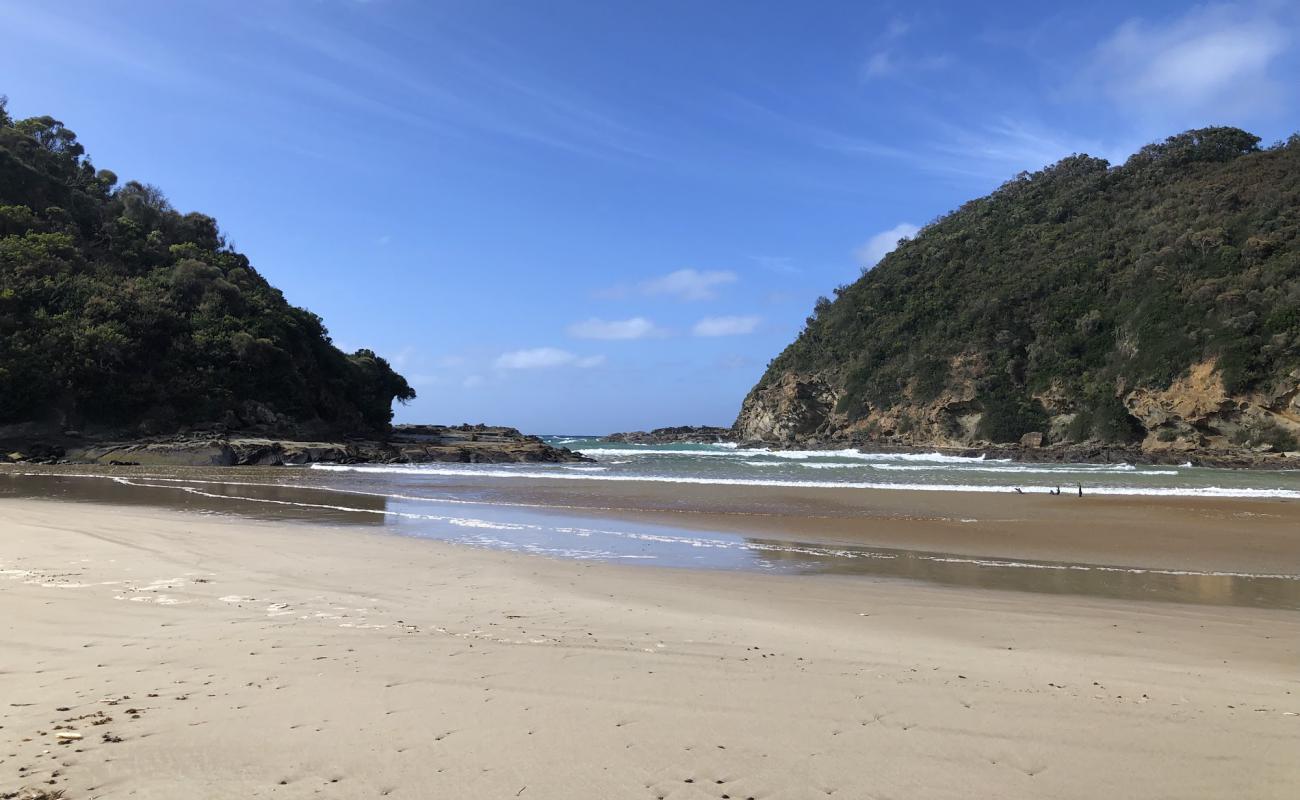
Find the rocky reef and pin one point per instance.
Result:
(678, 434)
(406, 444)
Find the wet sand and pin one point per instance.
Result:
(1228, 535)
(1206, 534)
(192, 655)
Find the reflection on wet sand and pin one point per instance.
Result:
(1045, 577)
(238, 498)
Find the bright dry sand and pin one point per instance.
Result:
(244, 659)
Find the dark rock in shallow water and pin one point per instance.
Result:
(683, 433)
(477, 444)
(413, 444)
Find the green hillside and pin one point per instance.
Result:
(118, 311)
(1082, 280)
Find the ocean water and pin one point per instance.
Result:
(727, 464)
(523, 508)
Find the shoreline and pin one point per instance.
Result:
(1061, 453)
(408, 668)
(1211, 534)
(1203, 534)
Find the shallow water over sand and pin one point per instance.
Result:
(484, 514)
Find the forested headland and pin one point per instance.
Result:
(1154, 303)
(120, 313)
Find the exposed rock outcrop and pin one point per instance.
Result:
(678, 434)
(413, 444)
(1196, 412)
(479, 444)
(1194, 419)
(796, 408)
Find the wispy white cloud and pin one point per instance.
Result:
(993, 151)
(472, 382)
(545, 358)
(883, 243)
(782, 265)
(726, 326)
(1000, 149)
(106, 40)
(798, 127)
(402, 358)
(880, 64)
(1215, 59)
(889, 56)
(496, 90)
(689, 284)
(682, 284)
(634, 328)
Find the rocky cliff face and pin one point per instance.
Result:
(802, 409)
(1197, 412)
(794, 409)
(1194, 417)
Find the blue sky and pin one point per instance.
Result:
(591, 216)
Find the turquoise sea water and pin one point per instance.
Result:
(726, 464)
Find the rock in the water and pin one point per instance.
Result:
(681, 433)
(407, 444)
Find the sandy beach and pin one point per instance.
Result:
(151, 653)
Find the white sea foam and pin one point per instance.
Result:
(650, 451)
(934, 458)
(1007, 469)
(1172, 491)
(1126, 470)
(792, 455)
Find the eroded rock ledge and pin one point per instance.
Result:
(1194, 420)
(682, 433)
(407, 444)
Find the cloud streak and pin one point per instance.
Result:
(634, 328)
(689, 284)
(545, 358)
(1213, 59)
(726, 326)
(889, 59)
